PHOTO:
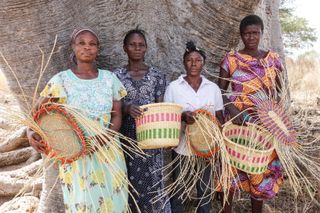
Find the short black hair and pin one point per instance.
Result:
(250, 20)
(191, 47)
(132, 32)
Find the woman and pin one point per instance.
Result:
(87, 183)
(145, 85)
(193, 91)
(253, 74)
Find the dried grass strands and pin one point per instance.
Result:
(209, 155)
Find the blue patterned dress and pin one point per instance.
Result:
(144, 174)
(92, 183)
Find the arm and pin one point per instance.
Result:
(159, 99)
(220, 116)
(116, 117)
(223, 83)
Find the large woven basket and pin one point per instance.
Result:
(202, 142)
(64, 139)
(159, 126)
(249, 147)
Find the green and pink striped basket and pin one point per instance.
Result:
(249, 147)
(159, 126)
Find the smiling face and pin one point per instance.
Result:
(193, 64)
(251, 36)
(136, 47)
(85, 47)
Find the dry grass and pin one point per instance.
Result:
(304, 78)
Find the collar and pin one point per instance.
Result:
(204, 80)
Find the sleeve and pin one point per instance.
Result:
(225, 63)
(55, 89)
(278, 62)
(218, 99)
(161, 85)
(118, 90)
(168, 95)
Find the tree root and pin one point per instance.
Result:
(15, 140)
(16, 156)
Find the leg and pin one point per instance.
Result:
(175, 201)
(256, 205)
(227, 206)
(204, 191)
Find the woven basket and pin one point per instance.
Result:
(249, 147)
(202, 144)
(64, 139)
(159, 126)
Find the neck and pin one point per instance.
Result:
(85, 68)
(194, 81)
(136, 66)
(253, 52)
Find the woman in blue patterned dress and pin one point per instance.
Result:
(145, 85)
(93, 183)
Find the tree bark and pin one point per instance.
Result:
(27, 25)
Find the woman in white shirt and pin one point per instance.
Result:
(193, 91)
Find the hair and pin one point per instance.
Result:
(191, 47)
(250, 20)
(132, 32)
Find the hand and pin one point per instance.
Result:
(188, 117)
(134, 110)
(36, 141)
(236, 115)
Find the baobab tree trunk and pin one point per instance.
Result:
(27, 25)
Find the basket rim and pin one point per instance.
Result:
(71, 121)
(242, 146)
(161, 104)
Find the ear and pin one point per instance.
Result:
(124, 48)
(72, 46)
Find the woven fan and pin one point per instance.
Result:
(274, 118)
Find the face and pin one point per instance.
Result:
(251, 36)
(193, 64)
(136, 47)
(85, 47)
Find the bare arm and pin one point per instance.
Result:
(116, 116)
(159, 99)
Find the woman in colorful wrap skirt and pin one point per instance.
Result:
(253, 74)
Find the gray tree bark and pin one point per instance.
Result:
(27, 25)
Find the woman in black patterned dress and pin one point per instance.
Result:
(144, 84)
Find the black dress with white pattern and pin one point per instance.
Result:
(144, 174)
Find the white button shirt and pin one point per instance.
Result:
(207, 97)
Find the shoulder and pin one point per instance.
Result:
(273, 54)
(156, 72)
(176, 83)
(108, 74)
(119, 71)
(60, 75)
(210, 84)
